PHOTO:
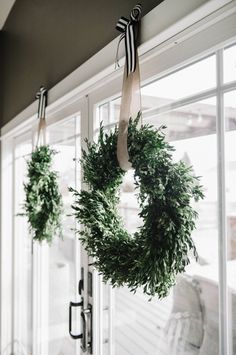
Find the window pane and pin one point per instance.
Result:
(230, 149)
(174, 325)
(107, 114)
(189, 121)
(197, 287)
(185, 82)
(230, 64)
(22, 255)
(104, 114)
(63, 256)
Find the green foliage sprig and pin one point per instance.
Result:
(43, 201)
(158, 251)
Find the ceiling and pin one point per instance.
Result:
(5, 8)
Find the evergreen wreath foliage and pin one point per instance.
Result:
(158, 250)
(43, 201)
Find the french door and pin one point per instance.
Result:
(199, 313)
(53, 302)
(48, 288)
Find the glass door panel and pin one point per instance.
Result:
(181, 84)
(185, 322)
(63, 255)
(22, 254)
(193, 325)
(230, 163)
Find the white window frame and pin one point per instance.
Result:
(197, 29)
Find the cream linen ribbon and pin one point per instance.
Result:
(41, 132)
(131, 95)
(130, 107)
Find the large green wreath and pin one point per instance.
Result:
(43, 201)
(158, 251)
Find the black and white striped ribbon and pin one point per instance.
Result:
(127, 27)
(42, 97)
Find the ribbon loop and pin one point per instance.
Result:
(127, 28)
(131, 98)
(136, 13)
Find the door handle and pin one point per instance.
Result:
(74, 304)
(87, 332)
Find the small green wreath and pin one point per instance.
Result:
(43, 201)
(158, 251)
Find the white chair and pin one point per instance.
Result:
(210, 300)
(184, 329)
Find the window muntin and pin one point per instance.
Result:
(230, 163)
